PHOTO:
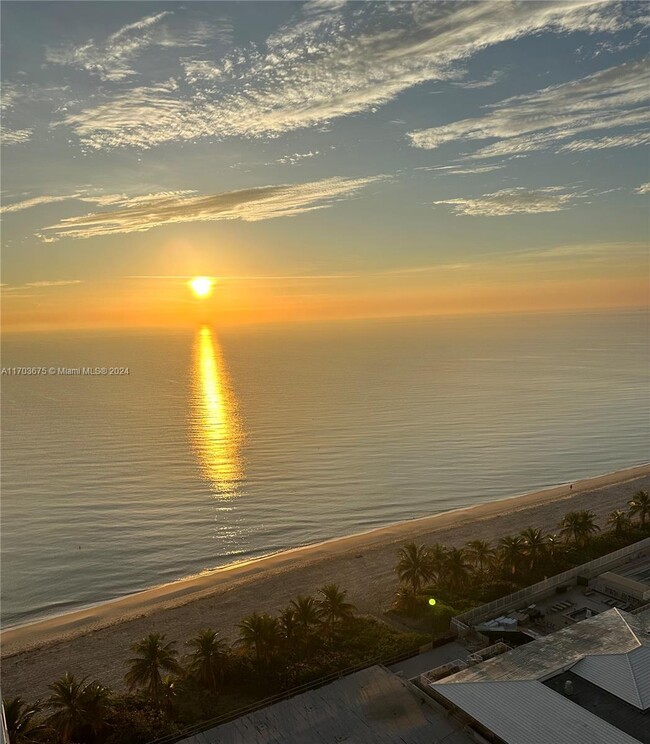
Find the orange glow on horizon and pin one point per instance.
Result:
(166, 303)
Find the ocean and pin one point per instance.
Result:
(223, 444)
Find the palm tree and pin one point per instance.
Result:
(288, 624)
(332, 606)
(511, 551)
(480, 553)
(168, 693)
(96, 703)
(619, 521)
(77, 706)
(579, 525)
(553, 546)
(260, 634)
(306, 612)
(23, 726)
(536, 545)
(68, 710)
(640, 505)
(438, 554)
(153, 656)
(415, 566)
(208, 658)
(456, 568)
(571, 526)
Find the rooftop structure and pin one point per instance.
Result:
(372, 706)
(629, 582)
(620, 579)
(512, 698)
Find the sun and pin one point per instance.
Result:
(201, 286)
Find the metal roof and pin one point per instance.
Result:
(528, 712)
(625, 675)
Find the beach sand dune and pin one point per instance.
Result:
(96, 641)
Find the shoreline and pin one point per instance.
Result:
(49, 631)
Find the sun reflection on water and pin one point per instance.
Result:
(216, 427)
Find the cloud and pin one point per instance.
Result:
(612, 98)
(635, 139)
(296, 157)
(112, 59)
(16, 136)
(20, 106)
(36, 201)
(252, 277)
(333, 61)
(59, 283)
(456, 170)
(487, 82)
(38, 285)
(101, 199)
(514, 201)
(266, 202)
(644, 188)
(586, 251)
(109, 59)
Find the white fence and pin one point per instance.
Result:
(541, 589)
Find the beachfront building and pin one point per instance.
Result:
(618, 580)
(373, 706)
(586, 684)
(563, 662)
(629, 583)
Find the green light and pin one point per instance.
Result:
(432, 601)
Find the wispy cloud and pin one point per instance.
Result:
(112, 58)
(487, 82)
(100, 199)
(609, 99)
(36, 201)
(332, 62)
(251, 277)
(16, 136)
(144, 213)
(458, 170)
(515, 201)
(38, 285)
(56, 283)
(644, 188)
(635, 139)
(296, 157)
(585, 251)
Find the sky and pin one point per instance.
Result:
(321, 159)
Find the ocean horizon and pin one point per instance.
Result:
(211, 445)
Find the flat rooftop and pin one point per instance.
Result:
(417, 665)
(372, 706)
(561, 610)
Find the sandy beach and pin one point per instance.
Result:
(96, 641)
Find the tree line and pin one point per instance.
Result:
(513, 560)
(170, 687)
